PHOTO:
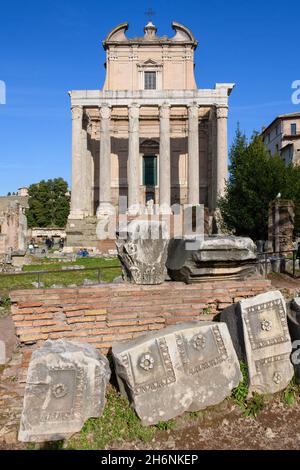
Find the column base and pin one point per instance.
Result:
(165, 209)
(104, 209)
(76, 215)
(134, 210)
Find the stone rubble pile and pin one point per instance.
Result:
(184, 367)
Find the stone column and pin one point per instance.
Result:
(89, 170)
(76, 191)
(105, 162)
(164, 160)
(133, 171)
(193, 155)
(222, 150)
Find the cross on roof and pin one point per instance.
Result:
(149, 12)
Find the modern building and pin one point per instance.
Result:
(282, 137)
(149, 134)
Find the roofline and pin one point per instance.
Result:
(280, 117)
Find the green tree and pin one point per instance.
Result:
(255, 180)
(49, 204)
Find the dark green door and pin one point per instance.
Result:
(150, 170)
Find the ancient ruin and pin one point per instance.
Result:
(186, 367)
(65, 386)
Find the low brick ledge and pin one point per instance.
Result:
(107, 313)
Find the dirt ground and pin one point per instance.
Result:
(276, 427)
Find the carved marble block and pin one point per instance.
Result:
(185, 367)
(293, 315)
(214, 257)
(259, 330)
(65, 386)
(143, 252)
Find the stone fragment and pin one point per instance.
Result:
(259, 331)
(65, 386)
(185, 367)
(2, 353)
(217, 257)
(293, 316)
(143, 252)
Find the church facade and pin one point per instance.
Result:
(150, 134)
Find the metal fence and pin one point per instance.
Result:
(39, 274)
(280, 261)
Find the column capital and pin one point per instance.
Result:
(105, 111)
(164, 110)
(133, 110)
(222, 112)
(193, 110)
(77, 112)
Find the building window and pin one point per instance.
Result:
(150, 170)
(150, 80)
(293, 129)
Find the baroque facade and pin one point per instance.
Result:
(150, 134)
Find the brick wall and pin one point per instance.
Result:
(110, 313)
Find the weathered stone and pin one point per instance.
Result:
(293, 316)
(144, 251)
(259, 331)
(2, 353)
(220, 257)
(185, 367)
(65, 386)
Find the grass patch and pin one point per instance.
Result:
(250, 407)
(118, 422)
(65, 277)
(291, 393)
(166, 425)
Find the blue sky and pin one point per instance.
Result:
(48, 47)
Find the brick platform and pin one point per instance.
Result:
(108, 313)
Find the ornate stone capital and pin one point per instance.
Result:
(134, 111)
(193, 110)
(164, 111)
(77, 112)
(222, 112)
(105, 111)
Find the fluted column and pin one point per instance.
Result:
(76, 191)
(193, 155)
(164, 160)
(222, 150)
(133, 158)
(105, 162)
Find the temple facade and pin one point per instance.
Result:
(149, 134)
